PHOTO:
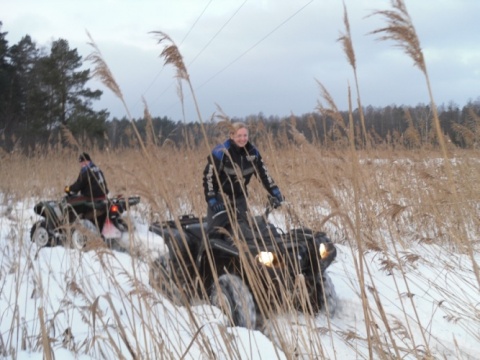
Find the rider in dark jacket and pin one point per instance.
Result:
(90, 182)
(234, 162)
(91, 185)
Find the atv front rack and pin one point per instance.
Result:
(184, 220)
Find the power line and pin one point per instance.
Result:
(245, 52)
(255, 45)
(218, 32)
(206, 45)
(196, 21)
(184, 38)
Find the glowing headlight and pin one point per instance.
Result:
(266, 258)
(323, 251)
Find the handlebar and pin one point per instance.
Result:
(272, 204)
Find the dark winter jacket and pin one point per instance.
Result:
(90, 183)
(235, 167)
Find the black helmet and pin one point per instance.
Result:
(84, 157)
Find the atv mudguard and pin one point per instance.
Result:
(182, 236)
(306, 234)
(51, 211)
(319, 237)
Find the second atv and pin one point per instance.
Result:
(63, 222)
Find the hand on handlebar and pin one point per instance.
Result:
(276, 199)
(216, 205)
(68, 191)
(274, 202)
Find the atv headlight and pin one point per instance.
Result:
(267, 258)
(323, 251)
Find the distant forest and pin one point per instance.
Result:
(44, 103)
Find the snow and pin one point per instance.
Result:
(99, 304)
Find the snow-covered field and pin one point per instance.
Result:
(423, 302)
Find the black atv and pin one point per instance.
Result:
(249, 268)
(73, 219)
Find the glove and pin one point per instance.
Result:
(277, 198)
(278, 195)
(216, 205)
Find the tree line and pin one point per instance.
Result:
(45, 101)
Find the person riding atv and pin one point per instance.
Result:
(92, 186)
(228, 172)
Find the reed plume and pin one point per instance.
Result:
(103, 73)
(171, 55)
(346, 40)
(101, 70)
(68, 137)
(400, 29)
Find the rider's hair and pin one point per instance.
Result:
(237, 126)
(84, 157)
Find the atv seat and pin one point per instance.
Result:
(85, 208)
(99, 204)
(82, 201)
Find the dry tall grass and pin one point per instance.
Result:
(402, 199)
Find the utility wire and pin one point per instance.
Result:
(218, 32)
(238, 57)
(184, 38)
(254, 45)
(206, 45)
(196, 21)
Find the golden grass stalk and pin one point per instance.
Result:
(68, 137)
(331, 111)
(47, 348)
(103, 73)
(470, 131)
(412, 135)
(171, 55)
(346, 40)
(372, 335)
(151, 139)
(401, 30)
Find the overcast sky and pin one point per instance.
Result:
(252, 56)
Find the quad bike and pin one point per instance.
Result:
(247, 269)
(73, 219)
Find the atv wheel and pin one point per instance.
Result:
(326, 299)
(82, 231)
(39, 234)
(161, 278)
(235, 299)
